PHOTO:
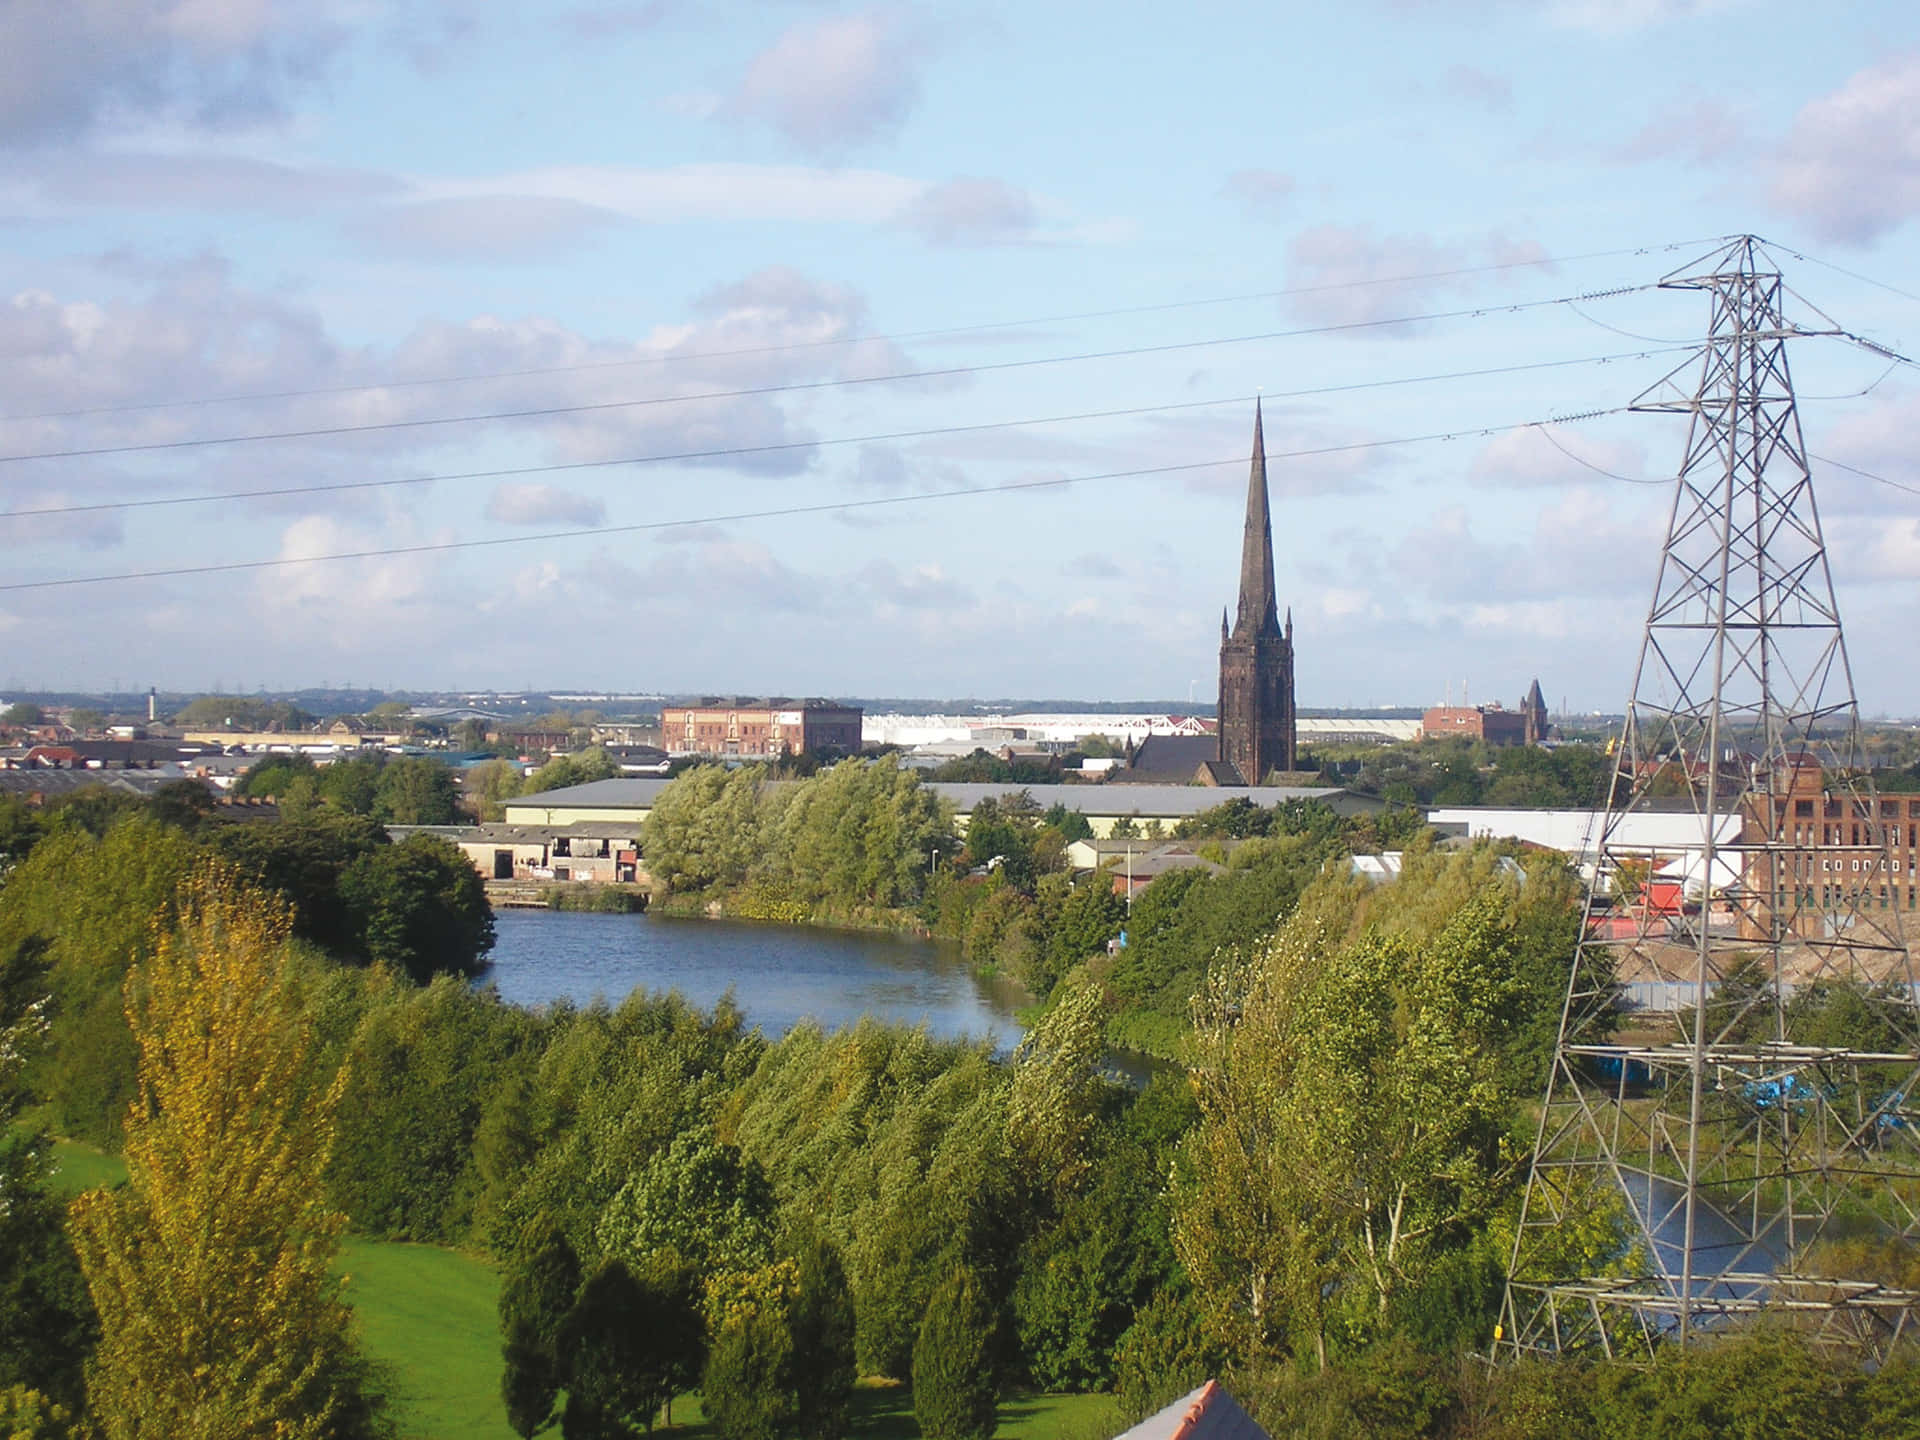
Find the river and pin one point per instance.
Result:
(779, 974)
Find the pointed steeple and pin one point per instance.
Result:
(1223, 623)
(1259, 612)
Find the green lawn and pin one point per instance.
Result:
(430, 1316)
(78, 1167)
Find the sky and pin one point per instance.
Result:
(811, 348)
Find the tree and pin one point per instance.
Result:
(419, 906)
(954, 1393)
(416, 790)
(46, 1322)
(748, 1386)
(211, 1268)
(627, 1344)
(700, 1199)
(822, 1321)
(492, 783)
(536, 1299)
(22, 713)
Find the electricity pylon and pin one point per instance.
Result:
(1749, 1139)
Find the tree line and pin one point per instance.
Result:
(1314, 1202)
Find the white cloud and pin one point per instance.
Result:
(1701, 132)
(1850, 167)
(544, 505)
(971, 211)
(483, 228)
(702, 192)
(69, 66)
(1521, 459)
(1357, 277)
(835, 81)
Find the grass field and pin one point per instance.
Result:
(430, 1317)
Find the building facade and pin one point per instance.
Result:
(1257, 734)
(763, 729)
(1490, 724)
(1826, 851)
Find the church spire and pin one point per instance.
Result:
(1259, 611)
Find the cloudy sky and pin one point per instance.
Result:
(429, 285)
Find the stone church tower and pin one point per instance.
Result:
(1256, 657)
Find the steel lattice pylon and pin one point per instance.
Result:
(1741, 1144)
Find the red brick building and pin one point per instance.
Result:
(759, 728)
(1830, 854)
(1491, 724)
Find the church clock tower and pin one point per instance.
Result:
(1256, 656)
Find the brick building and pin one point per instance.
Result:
(1491, 724)
(759, 729)
(1828, 854)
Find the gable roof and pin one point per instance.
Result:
(1208, 1413)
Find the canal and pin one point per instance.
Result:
(779, 974)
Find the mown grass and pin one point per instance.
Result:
(429, 1317)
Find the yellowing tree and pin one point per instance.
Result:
(210, 1269)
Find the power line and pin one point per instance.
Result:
(790, 387)
(1864, 474)
(780, 512)
(735, 451)
(1837, 269)
(897, 337)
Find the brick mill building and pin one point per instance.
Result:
(760, 729)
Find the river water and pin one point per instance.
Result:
(779, 974)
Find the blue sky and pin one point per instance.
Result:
(336, 202)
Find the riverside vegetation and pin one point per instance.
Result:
(1313, 1203)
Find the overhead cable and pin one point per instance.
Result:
(693, 356)
(792, 387)
(778, 512)
(738, 451)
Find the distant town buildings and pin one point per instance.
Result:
(1491, 724)
(759, 728)
(1256, 657)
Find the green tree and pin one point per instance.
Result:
(22, 713)
(416, 790)
(704, 831)
(492, 783)
(536, 1299)
(749, 1386)
(955, 1395)
(822, 1322)
(701, 1199)
(419, 906)
(211, 1268)
(46, 1321)
(628, 1344)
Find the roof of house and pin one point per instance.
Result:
(1167, 760)
(1208, 1413)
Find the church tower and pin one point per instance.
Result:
(1256, 656)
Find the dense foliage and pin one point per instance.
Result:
(210, 1269)
(854, 838)
(1311, 1199)
(1468, 772)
